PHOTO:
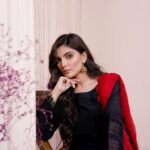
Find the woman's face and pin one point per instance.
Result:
(70, 61)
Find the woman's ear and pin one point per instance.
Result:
(84, 57)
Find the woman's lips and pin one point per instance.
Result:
(66, 71)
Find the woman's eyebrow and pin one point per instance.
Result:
(65, 54)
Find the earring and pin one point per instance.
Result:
(84, 69)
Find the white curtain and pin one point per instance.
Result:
(17, 83)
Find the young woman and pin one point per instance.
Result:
(89, 107)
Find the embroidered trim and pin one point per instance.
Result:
(51, 101)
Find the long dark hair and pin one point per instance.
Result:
(93, 70)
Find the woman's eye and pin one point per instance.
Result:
(69, 56)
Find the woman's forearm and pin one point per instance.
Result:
(44, 145)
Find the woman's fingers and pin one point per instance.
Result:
(70, 82)
(74, 82)
(65, 83)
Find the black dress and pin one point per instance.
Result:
(96, 129)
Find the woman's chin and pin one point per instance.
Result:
(69, 75)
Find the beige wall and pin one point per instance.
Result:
(118, 34)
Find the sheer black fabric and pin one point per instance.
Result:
(115, 131)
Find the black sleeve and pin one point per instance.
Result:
(48, 119)
(115, 128)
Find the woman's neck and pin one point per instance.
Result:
(86, 83)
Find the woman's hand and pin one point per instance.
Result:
(62, 85)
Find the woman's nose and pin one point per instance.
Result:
(64, 63)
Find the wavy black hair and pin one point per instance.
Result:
(74, 41)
